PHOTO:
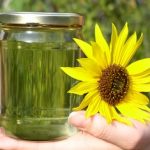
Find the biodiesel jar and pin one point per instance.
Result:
(33, 46)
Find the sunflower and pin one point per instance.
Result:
(110, 85)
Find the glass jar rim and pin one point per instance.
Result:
(42, 18)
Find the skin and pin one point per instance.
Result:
(95, 134)
(79, 141)
(136, 137)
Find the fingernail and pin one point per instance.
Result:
(77, 119)
(73, 114)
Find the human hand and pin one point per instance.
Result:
(136, 137)
(80, 141)
(126, 137)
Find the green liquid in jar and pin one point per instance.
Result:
(34, 98)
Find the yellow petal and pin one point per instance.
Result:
(105, 111)
(91, 66)
(141, 75)
(128, 50)
(99, 55)
(118, 117)
(78, 73)
(114, 37)
(139, 66)
(140, 79)
(131, 49)
(133, 112)
(85, 47)
(93, 107)
(100, 40)
(139, 42)
(86, 101)
(145, 108)
(141, 107)
(136, 98)
(119, 44)
(141, 87)
(84, 87)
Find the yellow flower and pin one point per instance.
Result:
(112, 87)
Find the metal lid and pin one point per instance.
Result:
(42, 18)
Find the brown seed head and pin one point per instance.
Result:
(114, 84)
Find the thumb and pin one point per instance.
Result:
(126, 137)
(95, 125)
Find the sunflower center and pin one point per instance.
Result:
(114, 84)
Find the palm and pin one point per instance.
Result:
(79, 141)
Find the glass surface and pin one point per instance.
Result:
(34, 98)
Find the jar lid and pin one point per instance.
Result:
(42, 18)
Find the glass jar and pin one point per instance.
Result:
(33, 46)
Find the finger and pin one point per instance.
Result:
(79, 141)
(95, 125)
(116, 133)
(8, 143)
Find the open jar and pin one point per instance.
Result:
(33, 46)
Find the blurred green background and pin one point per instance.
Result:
(103, 12)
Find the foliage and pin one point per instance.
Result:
(103, 12)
